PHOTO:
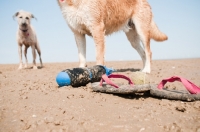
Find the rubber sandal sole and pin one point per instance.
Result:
(173, 94)
(123, 89)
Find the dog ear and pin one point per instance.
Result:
(15, 15)
(33, 16)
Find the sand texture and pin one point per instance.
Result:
(31, 101)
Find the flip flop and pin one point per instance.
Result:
(192, 93)
(107, 86)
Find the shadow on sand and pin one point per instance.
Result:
(127, 69)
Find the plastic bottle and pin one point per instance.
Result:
(81, 76)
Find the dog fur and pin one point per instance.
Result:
(26, 36)
(98, 18)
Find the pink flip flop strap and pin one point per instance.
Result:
(192, 88)
(108, 81)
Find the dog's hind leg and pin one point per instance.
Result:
(143, 29)
(25, 54)
(134, 39)
(39, 53)
(81, 45)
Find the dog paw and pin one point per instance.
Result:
(82, 65)
(146, 70)
(35, 67)
(20, 67)
(26, 66)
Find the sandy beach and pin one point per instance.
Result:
(31, 101)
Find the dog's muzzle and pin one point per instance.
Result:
(24, 30)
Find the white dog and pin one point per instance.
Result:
(26, 36)
(98, 18)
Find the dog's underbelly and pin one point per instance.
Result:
(109, 29)
(79, 22)
(118, 27)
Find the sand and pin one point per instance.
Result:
(30, 100)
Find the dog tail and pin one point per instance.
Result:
(156, 34)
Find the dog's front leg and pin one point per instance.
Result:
(81, 45)
(25, 54)
(98, 34)
(34, 56)
(20, 56)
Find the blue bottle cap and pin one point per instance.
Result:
(108, 70)
(63, 79)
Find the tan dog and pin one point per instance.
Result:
(26, 36)
(98, 18)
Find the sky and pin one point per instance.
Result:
(179, 19)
